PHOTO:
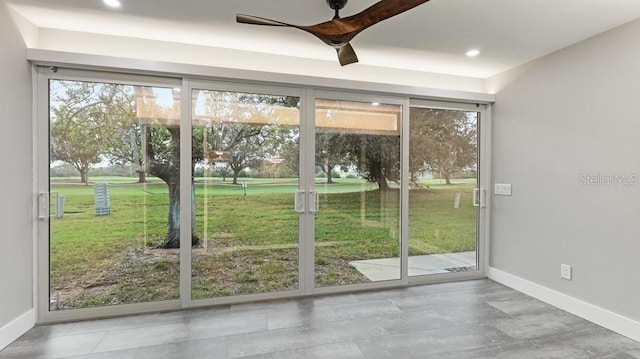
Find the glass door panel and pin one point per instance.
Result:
(112, 179)
(443, 216)
(245, 156)
(357, 158)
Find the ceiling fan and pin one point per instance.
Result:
(338, 32)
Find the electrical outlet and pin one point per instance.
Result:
(565, 271)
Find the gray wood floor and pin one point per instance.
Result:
(475, 319)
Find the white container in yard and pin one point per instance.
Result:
(103, 203)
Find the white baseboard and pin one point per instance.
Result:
(16, 328)
(605, 318)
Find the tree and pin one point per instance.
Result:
(252, 150)
(290, 153)
(331, 152)
(442, 141)
(224, 172)
(93, 122)
(162, 152)
(242, 129)
(377, 157)
(124, 146)
(231, 142)
(163, 161)
(80, 123)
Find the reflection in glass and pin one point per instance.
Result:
(245, 152)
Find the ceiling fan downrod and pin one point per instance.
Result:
(337, 5)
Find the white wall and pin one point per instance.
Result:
(16, 215)
(572, 113)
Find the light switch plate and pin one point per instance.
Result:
(502, 189)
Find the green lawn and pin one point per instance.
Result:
(249, 244)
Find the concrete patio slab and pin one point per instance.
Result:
(389, 268)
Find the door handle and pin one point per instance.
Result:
(299, 203)
(479, 197)
(314, 198)
(476, 199)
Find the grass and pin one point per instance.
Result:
(249, 244)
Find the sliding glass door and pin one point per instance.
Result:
(109, 196)
(245, 153)
(159, 194)
(357, 224)
(445, 197)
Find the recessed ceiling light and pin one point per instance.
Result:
(112, 3)
(473, 53)
(375, 103)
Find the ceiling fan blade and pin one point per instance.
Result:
(254, 20)
(380, 11)
(347, 55)
(340, 31)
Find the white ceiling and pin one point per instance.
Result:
(431, 38)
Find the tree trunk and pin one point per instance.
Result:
(84, 176)
(173, 218)
(142, 176)
(447, 178)
(329, 170)
(235, 175)
(170, 174)
(383, 185)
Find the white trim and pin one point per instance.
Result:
(603, 317)
(306, 173)
(128, 65)
(35, 221)
(405, 175)
(41, 176)
(486, 118)
(16, 328)
(187, 193)
(484, 225)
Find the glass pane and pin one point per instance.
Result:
(245, 151)
(114, 153)
(443, 152)
(357, 175)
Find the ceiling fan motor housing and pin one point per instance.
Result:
(337, 4)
